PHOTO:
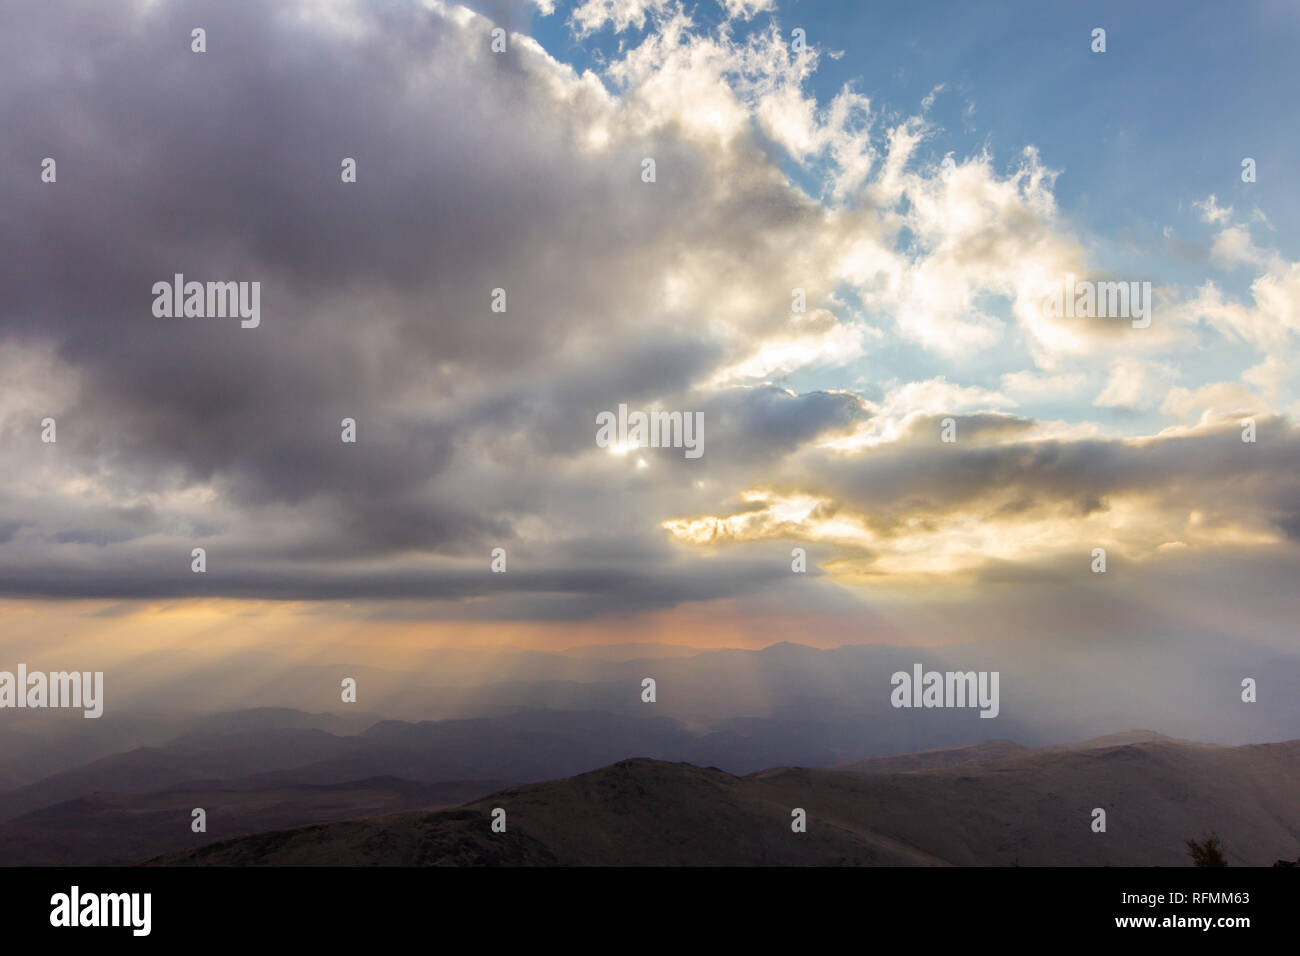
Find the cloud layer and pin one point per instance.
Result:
(480, 171)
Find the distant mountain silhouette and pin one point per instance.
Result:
(117, 829)
(1030, 808)
(930, 759)
(198, 756)
(39, 744)
(270, 749)
(984, 752)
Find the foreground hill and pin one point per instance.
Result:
(636, 812)
(1031, 808)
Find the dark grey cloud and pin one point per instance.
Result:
(473, 175)
(1211, 471)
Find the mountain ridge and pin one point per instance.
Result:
(1029, 809)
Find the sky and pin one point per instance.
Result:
(924, 174)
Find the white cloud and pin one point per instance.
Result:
(826, 344)
(1269, 375)
(1213, 402)
(1038, 385)
(1233, 246)
(1268, 324)
(746, 9)
(1135, 383)
(1211, 211)
(589, 16)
